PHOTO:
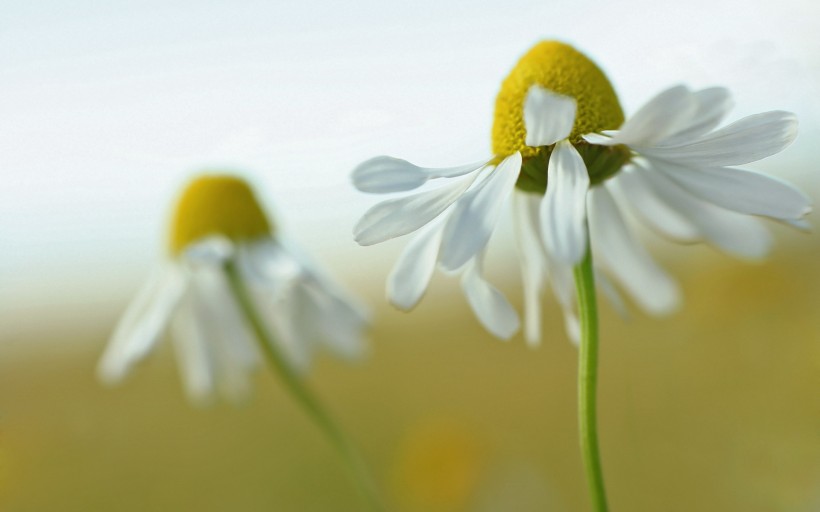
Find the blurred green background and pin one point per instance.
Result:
(713, 409)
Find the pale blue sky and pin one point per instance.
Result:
(107, 107)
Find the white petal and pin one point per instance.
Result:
(489, 305)
(227, 333)
(800, 224)
(193, 354)
(563, 209)
(563, 286)
(741, 191)
(664, 115)
(143, 323)
(641, 196)
(212, 251)
(626, 259)
(324, 280)
(533, 265)
(475, 215)
(599, 139)
(548, 117)
(342, 329)
(732, 232)
(287, 316)
(611, 293)
(385, 174)
(410, 276)
(712, 106)
(748, 140)
(397, 217)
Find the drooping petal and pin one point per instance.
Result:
(748, 140)
(643, 199)
(324, 279)
(209, 252)
(474, 216)
(385, 174)
(741, 191)
(563, 286)
(193, 353)
(664, 115)
(312, 308)
(286, 313)
(397, 217)
(563, 208)
(626, 259)
(548, 117)
(533, 264)
(142, 325)
(735, 233)
(410, 276)
(489, 305)
(226, 332)
(611, 293)
(341, 327)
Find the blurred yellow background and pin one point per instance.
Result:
(713, 409)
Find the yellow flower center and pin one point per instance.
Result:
(217, 205)
(562, 69)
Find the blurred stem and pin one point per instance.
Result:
(300, 392)
(588, 381)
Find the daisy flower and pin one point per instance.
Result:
(568, 160)
(219, 225)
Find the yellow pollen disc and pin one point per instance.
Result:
(562, 69)
(217, 205)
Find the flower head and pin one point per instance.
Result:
(217, 205)
(218, 220)
(560, 138)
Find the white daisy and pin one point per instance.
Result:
(560, 138)
(219, 222)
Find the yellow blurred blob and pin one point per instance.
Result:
(438, 465)
(217, 205)
(564, 70)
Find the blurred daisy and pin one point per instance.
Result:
(218, 222)
(565, 155)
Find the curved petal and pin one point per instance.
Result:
(385, 174)
(548, 117)
(626, 259)
(642, 198)
(475, 215)
(741, 191)
(489, 305)
(143, 323)
(748, 140)
(732, 232)
(563, 208)
(712, 106)
(397, 217)
(410, 276)
(664, 115)
(533, 264)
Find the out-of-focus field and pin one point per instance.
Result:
(716, 408)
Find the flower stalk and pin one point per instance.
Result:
(588, 381)
(302, 394)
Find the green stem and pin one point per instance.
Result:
(294, 384)
(588, 380)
